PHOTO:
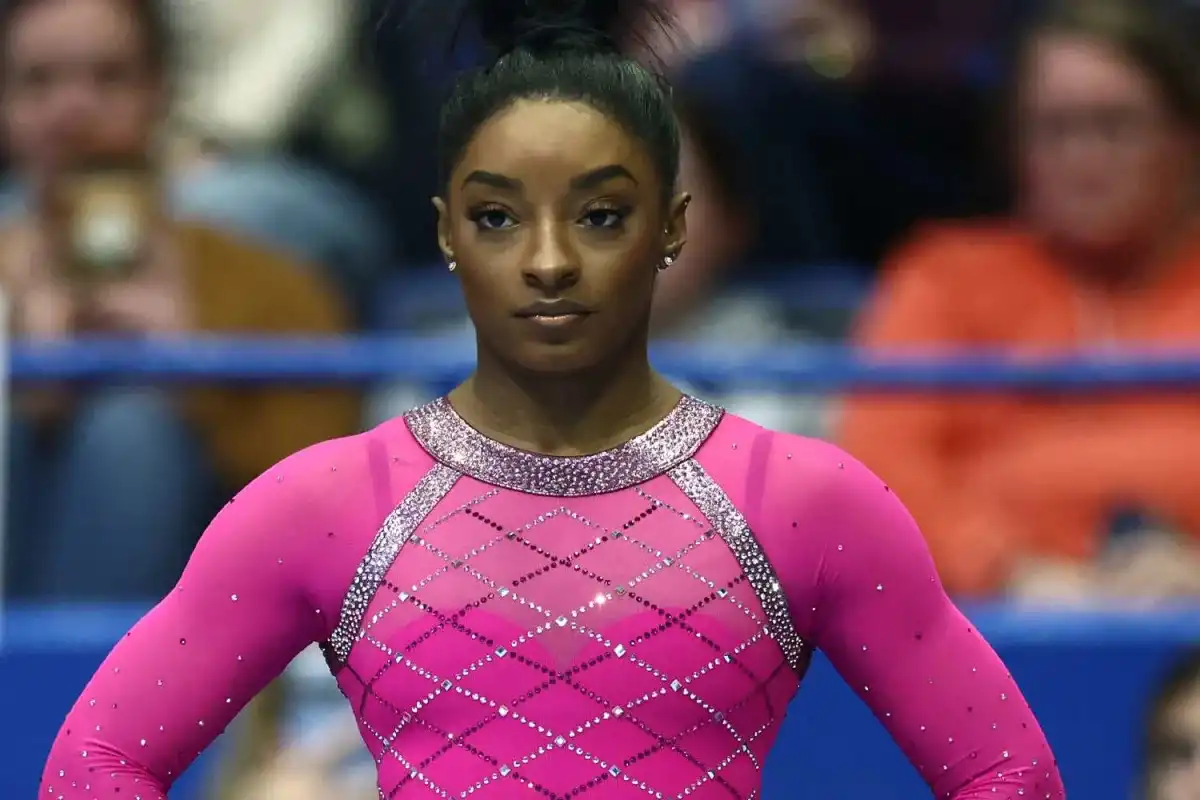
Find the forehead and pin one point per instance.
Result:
(552, 140)
(66, 28)
(1079, 70)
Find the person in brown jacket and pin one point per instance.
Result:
(110, 485)
(1021, 492)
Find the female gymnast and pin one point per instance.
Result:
(564, 579)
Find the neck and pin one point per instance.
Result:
(568, 415)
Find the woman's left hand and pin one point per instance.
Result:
(134, 307)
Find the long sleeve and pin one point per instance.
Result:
(261, 586)
(864, 591)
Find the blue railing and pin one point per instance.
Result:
(788, 367)
(1087, 673)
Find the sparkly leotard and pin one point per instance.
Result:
(626, 625)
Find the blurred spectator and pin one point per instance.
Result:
(111, 485)
(1173, 735)
(1020, 491)
(252, 74)
(255, 79)
(222, 143)
(805, 149)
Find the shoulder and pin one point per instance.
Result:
(786, 484)
(957, 281)
(332, 479)
(744, 457)
(818, 514)
(966, 249)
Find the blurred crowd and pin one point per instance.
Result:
(1019, 174)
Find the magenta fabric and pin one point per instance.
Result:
(607, 645)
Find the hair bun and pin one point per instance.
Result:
(548, 26)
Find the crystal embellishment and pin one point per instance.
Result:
(448, 438)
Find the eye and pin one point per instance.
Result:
(610, 218)
(492, 219)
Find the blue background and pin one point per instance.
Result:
(1088, 675)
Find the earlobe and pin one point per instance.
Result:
(676, 228)
(443, 229)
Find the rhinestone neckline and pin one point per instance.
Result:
(447, 437)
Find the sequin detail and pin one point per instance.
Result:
(568, 654)
(731, 526)
(393, 534)
(449, 439)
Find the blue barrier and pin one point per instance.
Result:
(1088, 674)
(441, 360)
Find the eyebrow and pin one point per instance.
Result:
(493, 179)
(588, 180)
(592, 179)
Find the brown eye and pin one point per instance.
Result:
(604, 218)
(492, 219)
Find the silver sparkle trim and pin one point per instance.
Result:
(732, 527)
(448, 438)
(393, 534)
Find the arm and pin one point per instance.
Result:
(872, 602)
(244, 607)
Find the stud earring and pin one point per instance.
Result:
(666, 263)
(453, 265)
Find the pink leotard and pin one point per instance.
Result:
(626, 625)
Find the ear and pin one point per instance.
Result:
(675, 231)
(443, 229)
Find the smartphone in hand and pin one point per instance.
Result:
(107, 211)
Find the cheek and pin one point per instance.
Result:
(480, 293)
(1105, 190)
(631, 278)
(23, 122)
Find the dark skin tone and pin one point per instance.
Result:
(554, 201)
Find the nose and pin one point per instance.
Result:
(71, 117)
(553, 265)
(75, 103)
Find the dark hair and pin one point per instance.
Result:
(1155, 36)
(563, 50)
(1183, 676)
(149, 16)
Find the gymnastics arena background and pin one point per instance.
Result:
(1087, 673)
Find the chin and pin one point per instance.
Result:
(1092, 235)
(557, 360)
(1100, 240)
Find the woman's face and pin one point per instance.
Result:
(77, 75)
(555, 218)
(1104, 163)
(1175, 775)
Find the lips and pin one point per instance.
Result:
(554, 309)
